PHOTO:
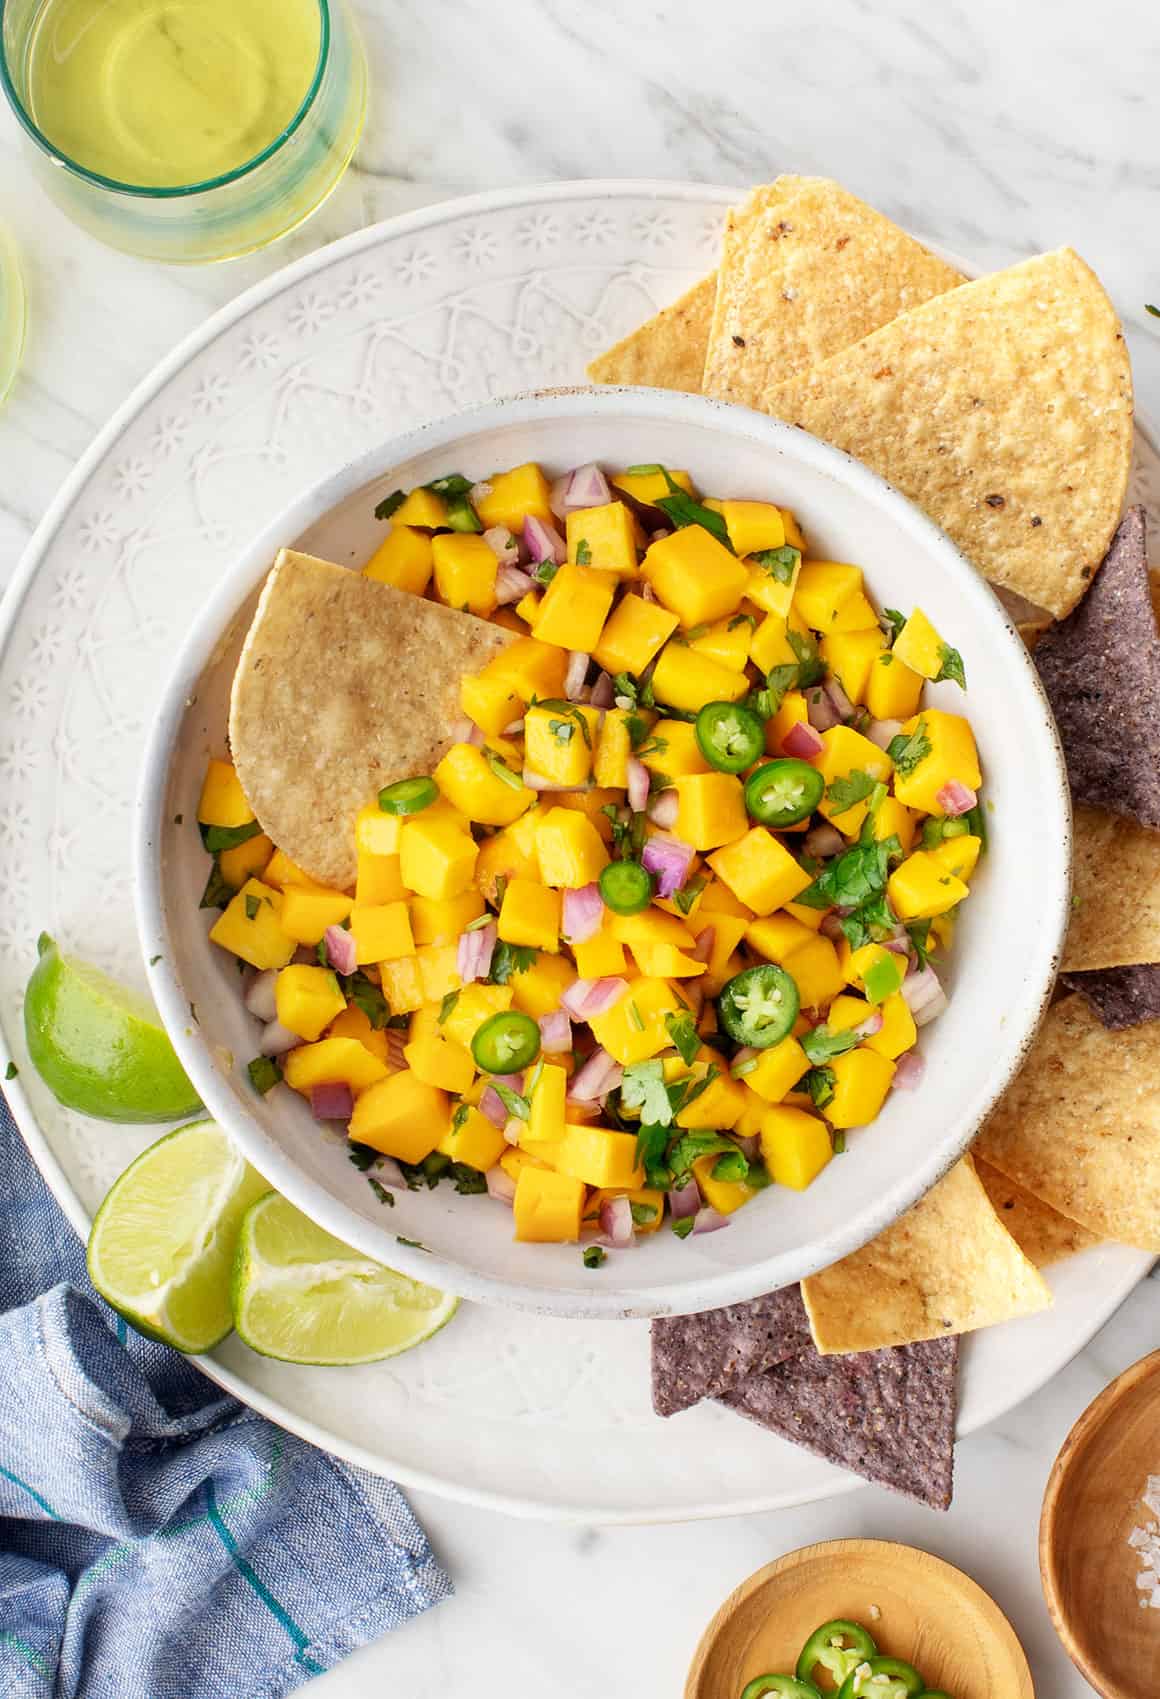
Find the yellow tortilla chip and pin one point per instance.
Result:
(1115, 916)
(948, 1266)
(344, 685)
(1080, 1127)
(1003, 408)
(1040, 1231)
(668, 350)
(804, 276)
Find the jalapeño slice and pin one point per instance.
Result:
(780, 793)
(780, 1687)
(409, 796)
(729, 736)
(626, 887)
(759, 1006)
(506, 1043)
(839, 1646)
(898, 1680)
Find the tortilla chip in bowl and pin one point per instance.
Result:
(1008, 938)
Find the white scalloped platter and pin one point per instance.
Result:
(398, 324)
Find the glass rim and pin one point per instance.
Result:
(183, 190)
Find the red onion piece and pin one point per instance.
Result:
(883, 732)
(276, 1039)
(473, 957)
(684, 1200)
(908, 1071)
(900, 946)
(616, 1221)
(603, 692)
(839, 701)
(502, 545)
(921, 988)
(587, 487)
(823, 716)
(707, 1221)
(669, 859)
(479, 492)
(585, 998)
(638, 783)
(930, 1011)
(823, 841)
(544, 542)
(802, 742)
(557, 493)
(583, 914)
(512, 584)
(555, 1033)
(872, 1024)
(259, 998)
(599, 1075)
(955, 799)
(831, 927)
(663, 808)
(491, 1105)
(341, 949)
(333, 1100)
(575, 674)
(500, 1185)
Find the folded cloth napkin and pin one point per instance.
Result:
(157, 1539)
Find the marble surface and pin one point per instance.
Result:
(996, 129)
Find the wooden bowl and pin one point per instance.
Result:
(915, 1606)
(1091, 1505)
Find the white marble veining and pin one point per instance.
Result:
(997, 129)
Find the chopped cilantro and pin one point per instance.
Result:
(218, 838)
(11, 1071)
(732, 1166)
(919, 933)
(907, 752)
(593, 1256)
(562, 730)
(845, 792)
(363, 1156)
(368, 997)
(651, 1140)
(546, 571)
(654, 746)
(893, 622)
(686, 897)
(468, 1181)
(507, 959)
(951, 667)
(683, 510)
(253, 904)
(839, 1143)
(583, 553)
(516, 1105)
(501, 770)
(820, 1083)
(684, 1035)
(447, 1005)
(628, 834)
(566, 711)
(153, 960)
(643, 1089)
(811, 667)
(684, 1091)
(853, 878)
(390, 505)
(381, 1191)
(264, 1073)
(822, 1045)
(742, 619)
(637, 729)
(779, 563)
(1149, 308)
(623, 684)
(415, 1244)
(691, 1147)
(218, 891)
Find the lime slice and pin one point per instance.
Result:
(305, 1297)
(162, 1247)
(98, 1046)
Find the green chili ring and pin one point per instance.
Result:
(409, 796)
(782, 792)
(730, 737)
(626, 887)
(837, 1661)
(759, 1006)
(909, 1682)
(782, 1686)
(506, 1043)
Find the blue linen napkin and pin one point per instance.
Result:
(157, 1539)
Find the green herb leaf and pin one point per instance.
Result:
(469, 1182)
(779, 681)
(218, 892)
(686, 896)
(820, 1083)
(1149, 308)
(415, 1244)
(855, 877)
(368, 997)
(811, 667)
(507, 959)
(363, 1156)
(907, 752)
(651, 1141)
(446, 1005)
(690, 1148)
(919, 933)
(546, 571)
(893, 622)
(390, 505)
(684, 1226)
(218, 838)
(951, 667)
(583, 553)
(822, 1045)
(623, 684)
(742, 619)
(845, 792)
(593, 1256)
(500, 769)
(562, 730)
(732, 1166)
(643, 1089)
(685, 1038)
(779, 563)
(11, 1071)
(643, 1214)
(637, 729)
(264, 1073)
(682, 510)
(566, 711)
(253, 904)
(684, 1091)
(513, 1102)
(381, 1191)
(840, 1142)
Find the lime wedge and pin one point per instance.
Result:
(98, 1046)
(162, 1247)
(305, 1297)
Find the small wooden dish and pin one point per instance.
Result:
(915, 1606)
(1091, 1505)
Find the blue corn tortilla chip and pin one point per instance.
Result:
(1101, 670)
(705, 1355)
(887, 1415)
(1120, 996)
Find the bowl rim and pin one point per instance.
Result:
(703, 1290)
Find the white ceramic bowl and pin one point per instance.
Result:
(1006, 947)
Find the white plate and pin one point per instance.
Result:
(400, 323)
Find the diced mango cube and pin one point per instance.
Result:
(380, 879)
(598, 1156)
(672, 749)
(599, 957)
(437, 857)
(846, 753)
(491, 703)
(920, 888)
(441, 920)
(634, 1029)
(515, 496)
(603, 537)
(613, 750)
(728, 931)
(547, 1206)
(794, 711)
(560, 740)
(402, 985)
(898, 1032)
(280, 871)
(893, 820)
(307, 999)
(425, 508)
(796, 1146)
(920, 647)
(483, 788)
(651, 486)
(382, 931)
(726, 642)
(850, 655)
(753, 526)
(438, 970)
(375, 831)
(695, 575)
(861, 1081)
(816, 971)
(724, 1196)
(404, 559)
(333, 1061)
(951, 755)
(548, 1103)
(686, 680)
(473, 1139)
(530, 915)
(877, 971)
(246, 861)
(758, 868)
(474, 1005)
(958, 855)
(892, 688)
(353, 1023)
(722, 1101)
(306, 913)
(251, 927)
(633, 635)
(711, 811)
(531, 668)
(777, 936)
(437, 1061)
(575, 607)
(402, 1117)
(465, 571)
(570, 849)
(823, 587)
(770, 646)
(223, 801)
(537, 989)
(774, 1072)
